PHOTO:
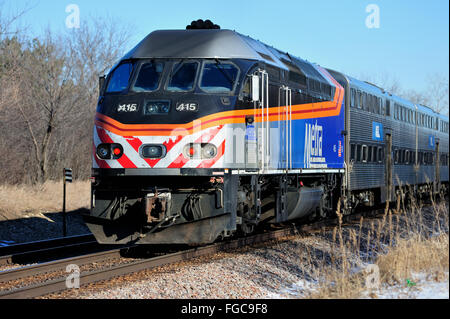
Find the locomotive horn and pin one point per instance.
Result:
(200, 24)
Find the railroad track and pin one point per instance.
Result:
(22, 247)
(89, 277)
(39, 251)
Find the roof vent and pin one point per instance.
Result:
(200, 24)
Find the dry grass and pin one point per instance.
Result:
(415, 255)
(26, 200)
(402, 242)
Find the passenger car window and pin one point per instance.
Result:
(120, 77)
(359, 100)
(183, 77)
(218, 77)
(353, 93)
(380, 155)
(149, 76)
(352, 152)
(364, 104)
(364, 153)
(358, 153)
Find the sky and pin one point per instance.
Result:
(403, 39)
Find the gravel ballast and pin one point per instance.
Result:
(250, 273)
(291, 268)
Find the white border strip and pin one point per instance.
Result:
(292, 171)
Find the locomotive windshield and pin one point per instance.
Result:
(212, 76)
(149, 77)
(218, 77)
(119, 79)
(183, 77)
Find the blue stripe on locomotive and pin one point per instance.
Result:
(316, 143)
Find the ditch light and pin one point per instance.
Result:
(107, 151)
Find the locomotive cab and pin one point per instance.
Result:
(181, 85)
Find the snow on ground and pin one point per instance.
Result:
(420, 286)
(299, 289)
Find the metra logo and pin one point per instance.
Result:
(313, 146)
(377, 131)
(431, 142)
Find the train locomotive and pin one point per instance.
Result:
(204, 133)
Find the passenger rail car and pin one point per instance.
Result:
(203, 133)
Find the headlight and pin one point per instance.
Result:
(153, 151)
(104, 151)
(156, 107)
(200, 151)
(152, 108)
(209, 151)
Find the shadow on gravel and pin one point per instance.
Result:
(42, 226)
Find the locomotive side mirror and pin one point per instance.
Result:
(255, 88)
(101, 83)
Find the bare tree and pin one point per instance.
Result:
(13, 143)
(437, 92)
(390, 84)
(416, 97)
(93, 49)
(10, 50)
(9, 64)
(48, 94)
(8, 22)
(434, 95)
(49, 87)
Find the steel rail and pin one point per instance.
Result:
(8, 252)
(45, 254)
(21, 247)
(58, 285)
(61, 264)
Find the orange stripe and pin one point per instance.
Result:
(299, 111)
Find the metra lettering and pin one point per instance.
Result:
(313, 145)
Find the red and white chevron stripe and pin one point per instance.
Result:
(174, 146)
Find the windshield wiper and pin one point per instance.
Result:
(224, 73)
(175, 70)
